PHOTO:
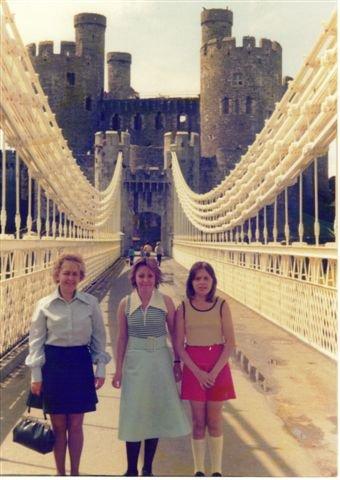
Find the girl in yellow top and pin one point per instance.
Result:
(205, 340)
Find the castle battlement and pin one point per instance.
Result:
(165, 105)
(228, 44)
(47, 48)
(122, 57)
(182, 139)
(111, 138)
(90, 19)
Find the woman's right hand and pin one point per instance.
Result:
(36, 388)
(117, 380)
(204, 379)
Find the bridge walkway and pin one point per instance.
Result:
(283, 422)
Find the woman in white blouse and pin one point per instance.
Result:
(66, 337)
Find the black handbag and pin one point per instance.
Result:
(35, 434)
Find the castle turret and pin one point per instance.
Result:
(216, 23)
(239, 88)
(119, 75)
(90, 44)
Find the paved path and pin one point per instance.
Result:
(289, 430)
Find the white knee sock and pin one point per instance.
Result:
(215, 450)
(198, 451)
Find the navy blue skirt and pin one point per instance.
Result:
(68, 380)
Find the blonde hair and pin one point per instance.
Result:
(68, 257)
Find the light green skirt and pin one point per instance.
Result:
(150, 406)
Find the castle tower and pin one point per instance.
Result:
(90, 45)
(239, 88)
(119, 75)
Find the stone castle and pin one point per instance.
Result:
(239, 88)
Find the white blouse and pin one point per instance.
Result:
(67, 324)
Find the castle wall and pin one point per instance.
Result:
(145, 157)
(148, 119)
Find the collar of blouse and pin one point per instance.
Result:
(156, 300)
(56, 295)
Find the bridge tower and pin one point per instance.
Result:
(239, 88)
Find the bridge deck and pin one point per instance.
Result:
(282, 423)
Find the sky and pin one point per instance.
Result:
(164, 37)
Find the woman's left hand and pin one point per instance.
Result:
(177, 372)
(99, 382)
(212, 376)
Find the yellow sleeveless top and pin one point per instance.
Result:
(203, 327)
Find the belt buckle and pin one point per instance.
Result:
(151, 344)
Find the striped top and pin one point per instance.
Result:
(150, 322)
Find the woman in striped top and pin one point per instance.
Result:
(150, 406)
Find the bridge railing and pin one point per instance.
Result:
(269, 228)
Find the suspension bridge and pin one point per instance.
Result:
(288, 284)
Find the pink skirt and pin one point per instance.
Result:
(205, 358)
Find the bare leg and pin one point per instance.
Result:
(59, 425)
(198, 412)
(215, 418)
(75, 440)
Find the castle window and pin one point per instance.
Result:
(149, 199)
(237, 79)
(182, 121)
(115, 123)
(225, 105)
(249, 105)
(88, 103)
(71, 78)
(237, 106)
(137, 122)
(159, 121)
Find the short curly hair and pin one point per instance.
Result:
(68, 257)
(152, 265)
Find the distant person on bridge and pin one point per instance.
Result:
(67, 335)
(159, 253)
(131, 255)
(205, 340)
(147, 250)
(150, 406)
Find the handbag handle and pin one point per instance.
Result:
(29, 410)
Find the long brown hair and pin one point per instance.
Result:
(192, 274)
